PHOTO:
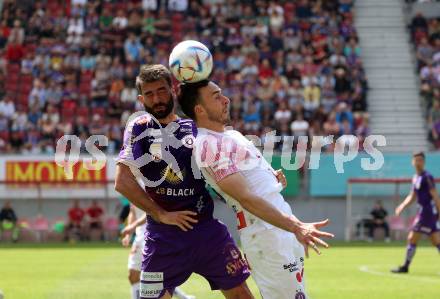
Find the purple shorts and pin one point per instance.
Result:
(171, 256)
(426, 225)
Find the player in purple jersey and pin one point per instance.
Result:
(183, 237)
(427, 220)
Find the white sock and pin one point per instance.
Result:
(135, 291)
(181, 294)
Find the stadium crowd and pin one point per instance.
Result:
(426, 36)
(69, 67)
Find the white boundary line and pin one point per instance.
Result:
(366, 269)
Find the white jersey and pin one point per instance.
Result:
(221, 154)
(135, 257)
(275, 256)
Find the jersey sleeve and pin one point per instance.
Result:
(217, 156)
(131, 148)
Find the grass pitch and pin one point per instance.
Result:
(98, 271)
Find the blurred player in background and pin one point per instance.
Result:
(183, 237)
(234, 167)
(136, 224)
(427, 220)
(8, 221)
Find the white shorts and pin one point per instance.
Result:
(135, 257)
(276, 259)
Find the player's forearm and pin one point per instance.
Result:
(267, 212)
(141, 221)
(130, 217)
(408, 200)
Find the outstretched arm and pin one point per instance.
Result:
(236, 186)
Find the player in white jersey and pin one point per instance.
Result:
(136, 222)
(135, 256)
(234, 167)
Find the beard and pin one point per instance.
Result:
(164, 112)
(224, 119)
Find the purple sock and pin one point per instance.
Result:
(410, 252)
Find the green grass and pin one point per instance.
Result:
(98, 271)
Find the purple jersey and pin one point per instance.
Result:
(422, 185)
(164, 157)
(427, 220)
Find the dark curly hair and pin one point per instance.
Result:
(150, 73)
(189, 97)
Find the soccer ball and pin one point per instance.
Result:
(190, 61)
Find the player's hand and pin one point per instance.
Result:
(182, 219)
(126, 241)
(128, 230)
(309, 235)
(281, 177)
(399, 210)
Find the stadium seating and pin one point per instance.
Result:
(306, 51)
(425, 34)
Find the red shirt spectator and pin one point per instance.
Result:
(14, 52)
(265, 70)
(76, 214)
(95, 211)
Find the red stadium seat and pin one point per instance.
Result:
(12, 86)
(86, 78)
(23, 99)
(397, 226)
(4, 135)
(83, 111)
(40, 226)
(26, 233)
(98, 110)
(111, 228)
(13, 68)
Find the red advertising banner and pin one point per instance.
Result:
(50, 172)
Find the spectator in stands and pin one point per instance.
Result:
(84, 60)
(283, 114)
(75, 226)
(14, 50)
(95, 214)
(133, 48)
(343, 113)
(379, 220)
(299, 126)
(419, 22)
(7, 107)
(312, 96)
(8, 221)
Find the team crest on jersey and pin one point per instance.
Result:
(188, 141)
(173, 177)
(143, 119)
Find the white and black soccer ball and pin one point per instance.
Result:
(190, 61)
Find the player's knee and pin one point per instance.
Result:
(133, 276)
